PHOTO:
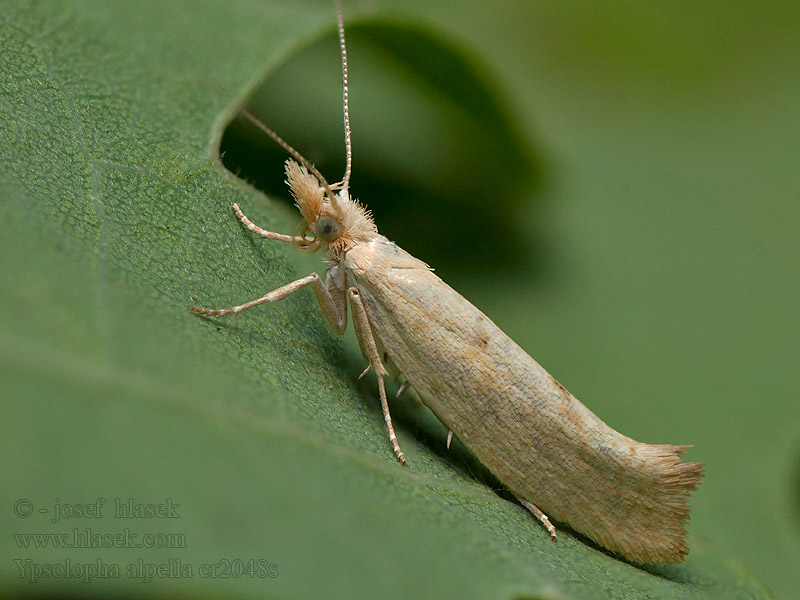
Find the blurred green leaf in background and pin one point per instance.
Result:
(614, 183)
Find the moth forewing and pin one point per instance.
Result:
(537, 439)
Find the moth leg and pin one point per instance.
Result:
(541, 516)
(401, 389)
(449, 438)
(331, 301)
(292, 239)
(367, 343)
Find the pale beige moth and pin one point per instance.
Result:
(554, 454)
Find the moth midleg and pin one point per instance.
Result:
(541, 516)
(367, 343)
(335, 310)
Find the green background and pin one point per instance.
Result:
(616, 185)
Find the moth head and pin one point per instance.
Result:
(334, 221)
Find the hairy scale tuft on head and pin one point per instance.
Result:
(354, 220)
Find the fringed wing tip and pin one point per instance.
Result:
(661, 539)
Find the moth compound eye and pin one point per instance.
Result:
(327, 229)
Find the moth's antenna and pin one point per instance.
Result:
(348, 146)
(285, 145)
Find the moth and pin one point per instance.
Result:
(554, 454)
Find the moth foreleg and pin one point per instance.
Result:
(332, 303)
(292, 239)
(541, 516)
(367, 343)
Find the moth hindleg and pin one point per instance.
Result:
(367, 343)
(541, 516)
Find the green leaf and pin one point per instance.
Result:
(116, 218)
